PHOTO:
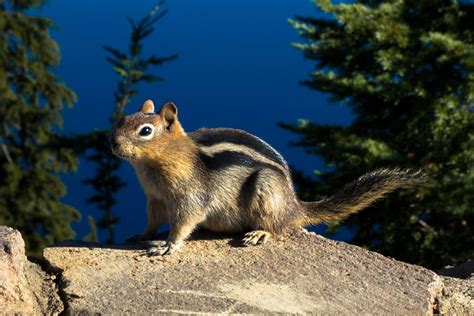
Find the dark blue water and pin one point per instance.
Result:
(236, 68)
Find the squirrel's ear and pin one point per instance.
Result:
(148, 107)
(169, 114)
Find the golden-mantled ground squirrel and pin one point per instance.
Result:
(227, 180)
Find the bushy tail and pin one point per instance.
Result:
(361, 193)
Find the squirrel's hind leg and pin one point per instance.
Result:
(270, 205)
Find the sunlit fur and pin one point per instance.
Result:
(227, 180)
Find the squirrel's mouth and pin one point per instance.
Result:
(119, 152)
(116, 152)
(121, 147)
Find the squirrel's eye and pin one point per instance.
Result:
(145, 131)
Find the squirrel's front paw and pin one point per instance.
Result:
(163, 248)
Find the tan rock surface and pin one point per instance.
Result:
(458, 293)
(24, 287)
(303, 273)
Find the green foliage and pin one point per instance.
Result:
(132, 69)
(31, 157)
(406, 69)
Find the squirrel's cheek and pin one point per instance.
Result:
(145, 153)
(137, 152)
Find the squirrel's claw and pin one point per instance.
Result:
(256, 237)
(162, 249)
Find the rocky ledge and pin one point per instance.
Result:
(24, 287)
(301, 273)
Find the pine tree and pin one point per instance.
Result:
(31, 158)
(406, 69)
(132, 69)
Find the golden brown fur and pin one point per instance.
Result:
(227, 180)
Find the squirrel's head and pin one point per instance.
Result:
(141, 136)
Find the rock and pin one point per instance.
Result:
(458, 293)
(24, 287)
(302, 273)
